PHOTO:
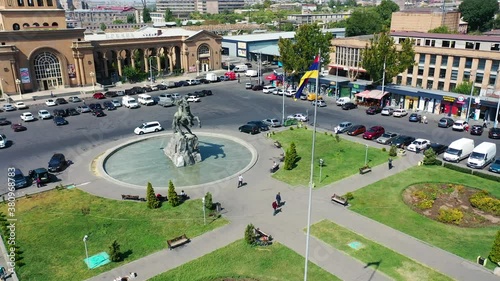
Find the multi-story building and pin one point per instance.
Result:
(95, 17)
(317, 18)
(442, 61)
(423, 20)
(182, 8)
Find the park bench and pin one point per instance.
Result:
(364, 170)
(339, 199)
(262, 238)
(277, 144)
(177, 241)
(275, 168)
(132, 197)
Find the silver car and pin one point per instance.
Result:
(83, 109)
(342, 127)
(387, 111)
(272, 122)
(386, 138)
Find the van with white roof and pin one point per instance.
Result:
(459, 150)
(482, 155)
(130, 102)
(145, 99)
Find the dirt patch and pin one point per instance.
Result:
(429, 198)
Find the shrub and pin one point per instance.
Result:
(384, 149)
(173, 198)
(326, 133)
(209, 204)
(425, 204)
(291, 128)
(290, 157)
(393, 152)
(249, 234)
(337, 138)
(457, 168)
(429, 157)
(484, 202)
(153, 202)
(114, 252)
(85, 210)
(495, 250)
(486, 176)
(349, 196)
(420, 194)
(450, 215)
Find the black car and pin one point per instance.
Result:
(402, 141)
(147, 89)
(349, 105)
(161, 87)
(476, 130)
(204, 81)
(131, 91)
(136, 90)
(414, 117)
(207, 92)
(445, 122)
(372, 110)
(59, 121)
(257, 87)
(110, 94)
(4, 122)
(181, 83)
(199, 94)
(249, 128)
(94, 106)
(249, 65)
(98, 113)
(57, 162)
(71, 112)
(438, 148)
(494, 133)
(108, 105)
(39, 173)
(262, 126)
(60, 101)
(59, 112)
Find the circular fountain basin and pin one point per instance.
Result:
(138, 162)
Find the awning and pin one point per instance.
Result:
(363, 94)
(271, 77)
(376, 94)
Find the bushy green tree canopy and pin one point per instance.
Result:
(478, 13)
(363, 21)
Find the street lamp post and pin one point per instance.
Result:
(1, 86)
(151, 70)
(85, 238)
(18, 84)
(92, 75)
(470, 97)
(366, 155)
(321, 163)
(197, 68)
(204, 217)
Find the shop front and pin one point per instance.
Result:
(452, 106)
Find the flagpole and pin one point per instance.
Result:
(311, 184)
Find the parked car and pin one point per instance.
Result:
(268, 89)
(94, 106)
(59, 112)
(161, 87)
(459, 125)
(108, 105)
(4, 121)
(343, 126)
(18, 127)
(74, 99)
(437, 147)
(402, 141)
(257, 87)
(372, 110)
(272, 122)
(135, 90)
(445, 122)
(387, 111)
(21, 105)
(148, 127)
(298, 117)
(50, 102)
(262, 126)
(248, 86)
(204, 81)
(348, 106)
(386, 138)
(40, 173)
(193, 98)
(8, 107)
(71, 112)
(494, 133)
(44, 114)
(249, 128)
(27, 117)
(116, 103)
(181, 83)
(374, 132)
(342, 100)
(418, 145)
(355, 130)
(98, 96)
(495, 166)
(98, 113)
(290, 93)
(476, 130)
(319, 103)
(199, 94)
(110, 94)
(59, 121)
(414, 117)
(400, 113)
(19, 179)
(223, 78)
(83, 109)
(57, 162)
(61, 101)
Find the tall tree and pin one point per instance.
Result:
(131, 18)
(169, 16)
(172, 196)
(464, 88)
(478, 13)
(146, 15)
(363, 21)
(385, 10)
(152, 200)
(382, 48)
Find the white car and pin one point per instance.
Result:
(290, 93)
(459, 125)
(8, 107)
(386, 111)
(193, 99)
(278, 92)
(44, 114)
(268, 89)
(21, 105)
(299, 117)
(50, 102)
(116, 103)
(27, 116)
(419, 145)
(399, 113)
(148, 127)
(320, 103)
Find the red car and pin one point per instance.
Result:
(374, 133)
(18, 127)
(355, 130)
(98, 96)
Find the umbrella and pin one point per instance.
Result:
(271, 77)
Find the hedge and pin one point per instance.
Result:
(458, 168)
(486, 176)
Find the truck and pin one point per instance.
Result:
(482, 155)
(459, 150)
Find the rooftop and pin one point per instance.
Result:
(274, 35)
(447, 36)
(141, 33)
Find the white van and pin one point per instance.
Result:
(459, 150)
(129, 102)
(212, 77)
(3, 141)
(482, 155)
(343, 100)
(251, 73)
(240, 68)
(145, 99)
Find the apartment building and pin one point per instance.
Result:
(91, 18)
(423, 20)
(312, 18)
(182, 8)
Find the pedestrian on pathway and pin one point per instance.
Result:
(275, 208)
(238, 78)
(38, 182)
(466, 128)
(390, 163)
(425, 119)
(51, 94)
(485, 124)
(278, 199)
(240, 181)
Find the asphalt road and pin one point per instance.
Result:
(230, 106)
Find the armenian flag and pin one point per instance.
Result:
(313, 72)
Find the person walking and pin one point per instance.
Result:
(238, 78)
(275, 208)
(278, 199)
(38, 182)
(240, 181)
(390, 163)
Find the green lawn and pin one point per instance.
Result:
(342, 159)
(239, 260)
(51, 227)
(382, 201)
(385, 260)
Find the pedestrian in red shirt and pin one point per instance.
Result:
(275, 207)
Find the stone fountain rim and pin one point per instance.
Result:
(103, 158)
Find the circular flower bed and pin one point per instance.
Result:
(453, 204)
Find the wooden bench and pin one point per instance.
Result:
(262, 238)
(132, 197)
(277, 144)
(177, 241)
(275, 168)
(339, 199)
(365, 170)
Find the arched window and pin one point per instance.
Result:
(36, 24)
(47, 68)
(20, 3)
(15, 26)
(55, 24)
(31, 3)
(39, 3)
(203, 51)
(25, 25)
(45, 24)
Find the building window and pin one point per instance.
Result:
(36, 24)
(433, 60)
(419, 82)
(15, 26)
(55, 24)
(456, 61)
(422, 59)
(398, 80)
(494, 65)
(410, 70)
(469, 45)
(452, 87)
(431, 43)
(454, 75)
(47, 68)
(466, 76)
(440, 86)
(477, 46)
(444, 60)
(25, 25)
(481, 64)
(50, 3)
(479, 78)
(495, 47)
(429, 84)
(442, 73)
(468, 62)
(493, 79)
(420, 70)
(446, 44)
(408, 81)
(39, 3)
(431, 72)
(30, 3)
(417, 42)
(45, 24)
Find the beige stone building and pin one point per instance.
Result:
(38, 52)
(423, 20)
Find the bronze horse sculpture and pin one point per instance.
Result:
(183, 117)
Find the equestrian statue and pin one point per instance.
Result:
(183, 117)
